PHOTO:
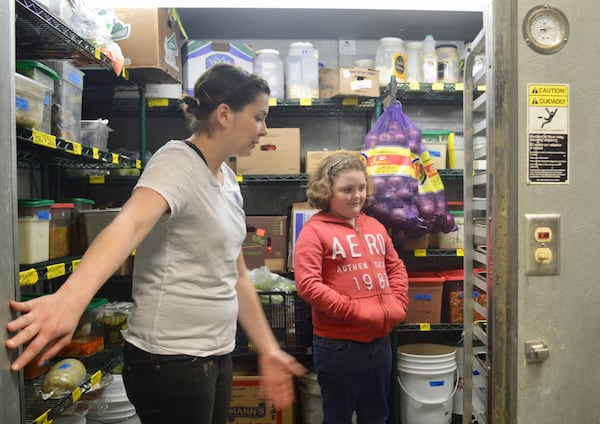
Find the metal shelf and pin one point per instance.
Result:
(428, 327)
(30, 274)
(39, 411)
(35, 145)
(40, 35)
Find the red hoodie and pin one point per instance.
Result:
(353, 279)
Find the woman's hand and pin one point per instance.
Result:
(46, 325)
(278, 369)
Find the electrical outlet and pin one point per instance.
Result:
(542, 244)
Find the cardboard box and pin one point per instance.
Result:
(314, 158)
(301, 212)
(202, 54)
(266, 242)
(277, 153)
(362, 82)
(151, 43)
(248, 407)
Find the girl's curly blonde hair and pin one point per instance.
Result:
(320, 182)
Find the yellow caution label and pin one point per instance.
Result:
(546, 95)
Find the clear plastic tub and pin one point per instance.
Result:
(67, 99)
(302, 71)
(45, 76)
(29, 100)
(94, 133)
(268, 65)
(60, 223)
(76, 234)
(34, 230)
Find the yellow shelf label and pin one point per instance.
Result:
(28, 277)
(306, 102)
(97, 54)
(95, 153)
(272, 101)
(239, 178)
(414, 86)
(42, 419)
(460, 252)
(424, 326)
(481, 88)
(96, 377)
(437, 86)
(115, 158)
(420, 252)
(43, 139)
(138, 164)
(350, 101)
(459, 86)
(125, 73)
(56, 270)
(76, 395)
(158, 102)
(97, 179)
(75, 264)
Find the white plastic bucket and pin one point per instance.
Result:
(428, 378)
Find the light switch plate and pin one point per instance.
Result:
(542, 242)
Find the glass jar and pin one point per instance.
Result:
(269, 66)
(390, 60)
(447, 57)
(302, 71)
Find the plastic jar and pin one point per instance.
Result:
(448, 59)
(414, 61)
(430, 66)
(390, 59)
(34, 230)
(269, 66)
(77, 241)
(60, 221)
(302, 71)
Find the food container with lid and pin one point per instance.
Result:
(34, 230)
(269, 66)
(447, 57)
(29, 101)
(45, 76)
(390, 60)
(302, 71)
(94, 133)
(60, 223)
(76, 233)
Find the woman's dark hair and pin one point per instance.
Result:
(221, 83)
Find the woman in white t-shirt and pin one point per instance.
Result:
(190, 282)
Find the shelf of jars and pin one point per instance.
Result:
(41, 35)
(431, 93)
(34, 146)
(98, 366)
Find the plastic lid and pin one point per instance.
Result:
(435, 132)
(267, 51)
(458, 274)
(35, 203)
(425, 277)
(457, 213)
(62, 206)
(79, 200)
(446, 46)
(28, 65)
(94, 303)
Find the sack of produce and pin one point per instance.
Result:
(408, 194)
(64, 377)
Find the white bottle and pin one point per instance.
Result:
(430, 66)
(414, 61)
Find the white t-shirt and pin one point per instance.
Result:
(185, 270)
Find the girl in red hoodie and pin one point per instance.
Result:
(347, 269)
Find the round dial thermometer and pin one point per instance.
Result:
(545, 29)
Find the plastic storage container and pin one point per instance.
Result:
(424, 297)
(45, 76)
(34, 230)
(453, 297)
(94, 133)
(76, 234)
(414, 61)
(67, 99)
(447, 57)
(115, 321)
(436, 143)
(302, 71)
(454, 239)
(430, 65)
(268, 65)
(29, 100)
(390, 59)
(60, 223)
